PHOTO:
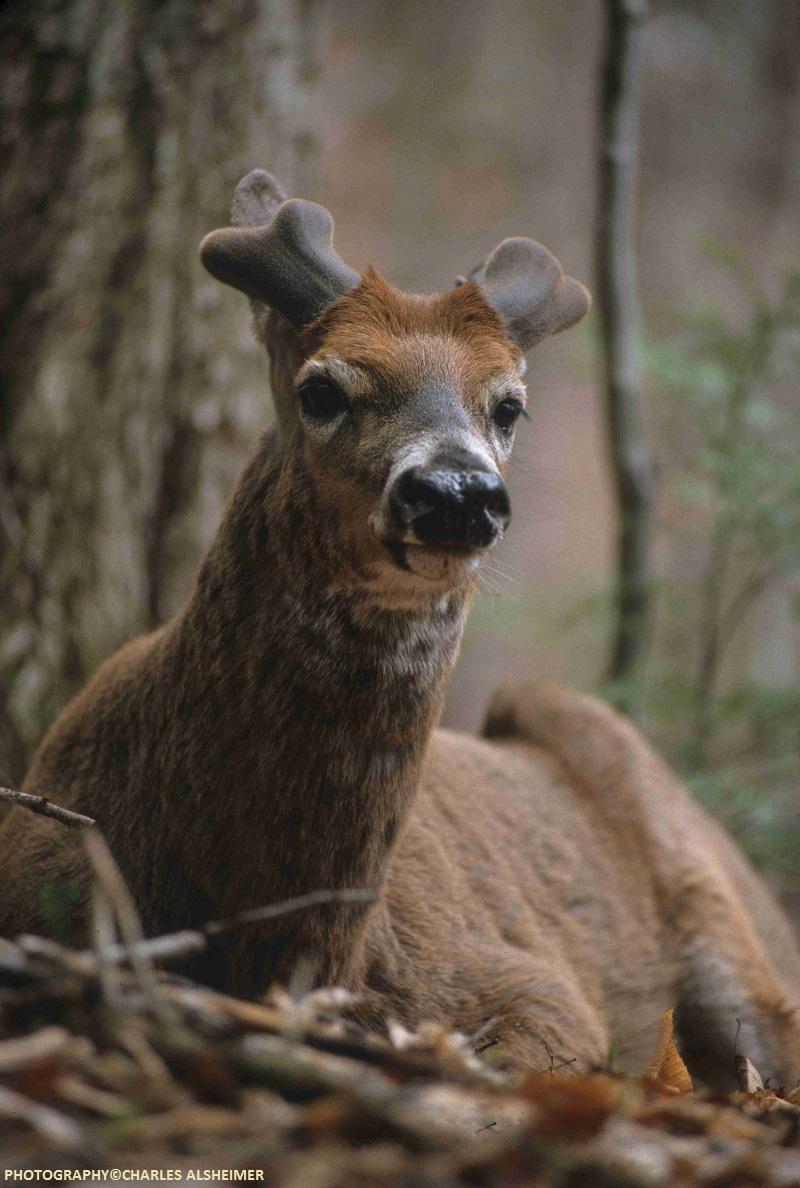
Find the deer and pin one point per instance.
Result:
(551, 878)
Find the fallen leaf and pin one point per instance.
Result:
(570, 1108)
(666, 1068)
(748, 1075)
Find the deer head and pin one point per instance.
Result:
(401, 409)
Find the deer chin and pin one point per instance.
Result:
(440, 565)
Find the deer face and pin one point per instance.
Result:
(406, 409)
(402, 407)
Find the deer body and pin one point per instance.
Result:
(278, 736)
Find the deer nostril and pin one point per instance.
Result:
(459, 507)
(411, 496)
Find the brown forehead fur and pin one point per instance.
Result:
(368, 325)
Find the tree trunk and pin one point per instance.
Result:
(130, 391)
(620, 320)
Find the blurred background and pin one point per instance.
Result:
(132, 391)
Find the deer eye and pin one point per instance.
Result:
(507, 413)
(322, 399)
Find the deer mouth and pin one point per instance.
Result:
(440, 563)
(437, 521)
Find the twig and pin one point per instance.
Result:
(25, 1050)
(147, 1060)
(104, 940)
(112, 893)
(620, 318)
(482, 1039)
(56, 957)
(45, 808)
(113, 884)
(298, 904)
(565, 1063)
(171, 947)
(175, 945)
(55, 1127)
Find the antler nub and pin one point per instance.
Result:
(289, 262)
(280, 252)
(527, 285)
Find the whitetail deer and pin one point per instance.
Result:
(278, 735)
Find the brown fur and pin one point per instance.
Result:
(372, 325)
(278, 736)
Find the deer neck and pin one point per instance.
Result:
(322, 702)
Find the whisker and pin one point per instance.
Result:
(494, 579)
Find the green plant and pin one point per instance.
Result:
(734, 396)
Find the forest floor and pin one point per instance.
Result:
(107, 1063)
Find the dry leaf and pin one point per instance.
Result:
(684, 1116)
(666, 1068)
(748, 1075)
(570, 1108)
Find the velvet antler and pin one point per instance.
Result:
(279, 252)
(527, 285)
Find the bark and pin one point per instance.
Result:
(618, 304)
(130, 391)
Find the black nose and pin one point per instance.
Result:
(451, 507)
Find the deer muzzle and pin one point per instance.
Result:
(464, 509)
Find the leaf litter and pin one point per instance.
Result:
(104, 1065)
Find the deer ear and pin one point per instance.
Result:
(525, 283)
(283, 254)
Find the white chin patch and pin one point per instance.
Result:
(439, 566)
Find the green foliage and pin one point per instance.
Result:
(759, 807)
(745, 466)
(731, 398)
